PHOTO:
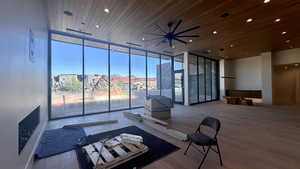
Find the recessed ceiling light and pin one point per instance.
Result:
(106, 10)
(143, 39)
(190, 40)
(266, 1)
(296, 64)
(215, 32)
(232, 45)
(288, 41)
(277, 20)
(283, 33)
(97, 26)
(249, 20)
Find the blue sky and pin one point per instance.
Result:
(67, 59)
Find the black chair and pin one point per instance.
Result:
(204, 140)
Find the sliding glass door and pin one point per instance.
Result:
(203, 79)
(66, 78)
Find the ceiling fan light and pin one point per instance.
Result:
(106, 10)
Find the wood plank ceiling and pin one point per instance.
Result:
(128, 20)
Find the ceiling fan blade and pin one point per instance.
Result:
(154, 34)
(170, 43)
(147, 40)
(160, 28)
(179, 22)
(187, 30)
(180, 40)
(188, 36)
(162, 41)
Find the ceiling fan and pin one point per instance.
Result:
(171, 35)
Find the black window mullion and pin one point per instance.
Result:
(211, 77)
(83, 80)
(160, 75)
(49, 76)
(205, 79)
(129, 67)
(218, 80)
(109, 82)
(172, 79)
(198, 83)
(146, 73)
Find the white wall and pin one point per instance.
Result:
(247, 73)
(253, 73)
(267, 77)
(23, 83)
(286, 56)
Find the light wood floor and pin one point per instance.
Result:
(251, 137)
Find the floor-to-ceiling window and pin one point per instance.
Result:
(178, 79)
(153, 73)
(193, 80)
(166, 73)
(119, 78)
(203, 79)
(214, 71)
(96, 77)
(208, 79)
(201, 75)
(66, 77)
(89, 76)
(138, 77)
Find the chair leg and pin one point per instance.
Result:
(203, 159)
(203, 149)
(219, 152)
(187, 148)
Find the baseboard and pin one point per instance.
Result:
(29, 163)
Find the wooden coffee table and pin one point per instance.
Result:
(113, 153)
